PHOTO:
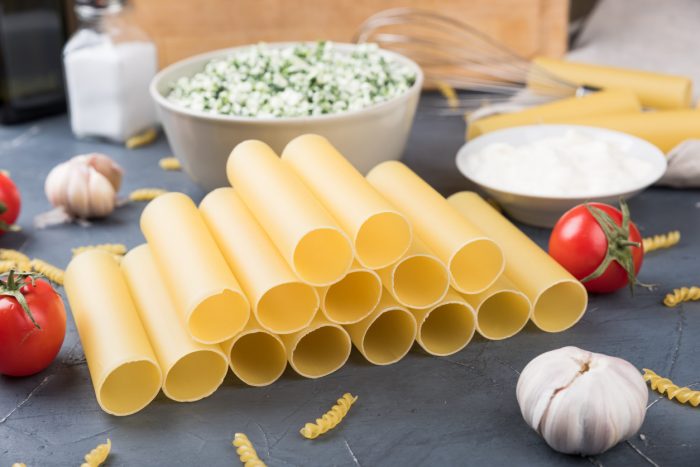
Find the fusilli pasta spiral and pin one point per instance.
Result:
(246, 452)
(17, 464)
(142, 139)
(330, 419)
(97, 456)
(449, 93)
(658, 242)
(114, 248)
(684, 294)
(663, 386)
(13, 255)
(51, 272)
(170, 163)
(146, 194)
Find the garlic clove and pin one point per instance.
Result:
(77, 194)
(108, 168)
(101, 194)
(54, 187)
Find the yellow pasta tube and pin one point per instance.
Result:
(191, 370)
(558, 299)
(594, 104)
(447, 327)
(318, 350)
(473, 260)
(418, 280)
(353, 297)
(309, 239)
(385, 336)
(656, 90)
(124, 370)
(501, 310)
(665, 129)
(379, 233)
(257, 357)
(281, 303)
(202, 286)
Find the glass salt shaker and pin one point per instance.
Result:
(109, 63)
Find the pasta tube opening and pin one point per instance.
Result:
(319, 350)
(195, 376)
(258, 357)
(389, 336)
(130, 387)
(382, 240)
(352, 298)
(503, 314)
(447, 328)
(560, 306)
(322, 256)
(476, 265)
(287, 307)
(218, 316)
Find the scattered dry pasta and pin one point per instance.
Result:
(142, 139)
(449, 93)
(114, 248)
(97, 456)
(146, 194)
(13, 255)
(658, 242)
(170, 163)
(684, 294)
(246, 452)
(51, 272)
(663, 386)
(17, 464)
(330, 419)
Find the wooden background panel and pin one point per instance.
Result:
(182, 28)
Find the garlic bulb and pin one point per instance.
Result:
(582, 402)
(85, 186)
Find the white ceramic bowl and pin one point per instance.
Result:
(544, 211)
(202, 141)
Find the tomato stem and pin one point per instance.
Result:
(12, 288)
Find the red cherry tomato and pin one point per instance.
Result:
(580, 244)
(10, 202)
(26, 347)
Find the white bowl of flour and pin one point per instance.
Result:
(538, 172)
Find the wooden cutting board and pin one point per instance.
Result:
(182, 28)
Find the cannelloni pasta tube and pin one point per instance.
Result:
(558, 299)
(309, 239)
(501, 310)
(385, 336)
(200, 282)
(353, 297)
(257, 356)
(380, 234)
(654, 90)
(281, 303)
(447, 327)
(191, 370)
(123, 367)
(473, 260)
(418, 280)
(318, 350)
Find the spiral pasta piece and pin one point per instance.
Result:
(146, 194)
(330, 419)
(246, 452)
(661, 241)
(51, 272)
(18, 464)
(449, 93)
(13, 255)
(170, 163)
(142, 139)
(114, 248)
(97, 456)
(684, 294)
(684, 395)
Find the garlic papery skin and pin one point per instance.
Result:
(85, 186)
(582, 402)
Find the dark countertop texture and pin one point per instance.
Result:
(458, 410)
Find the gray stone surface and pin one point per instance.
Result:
(459, 410)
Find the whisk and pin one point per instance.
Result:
(456, 55)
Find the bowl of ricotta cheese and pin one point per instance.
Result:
(538, 172)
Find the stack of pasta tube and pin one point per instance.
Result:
(302, 258)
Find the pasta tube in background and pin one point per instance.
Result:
(353, 297)
(123, 367)
(558, 299)
(200, 282)
(257, 356)
(501, 311)
(590, 105)
(310, 240)
(473, 260)
(418, 280)
(318, 350)
(191, 370)
(380, 234)
(655, 90)
(281, 303)
(447, 327)
(385, 336)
